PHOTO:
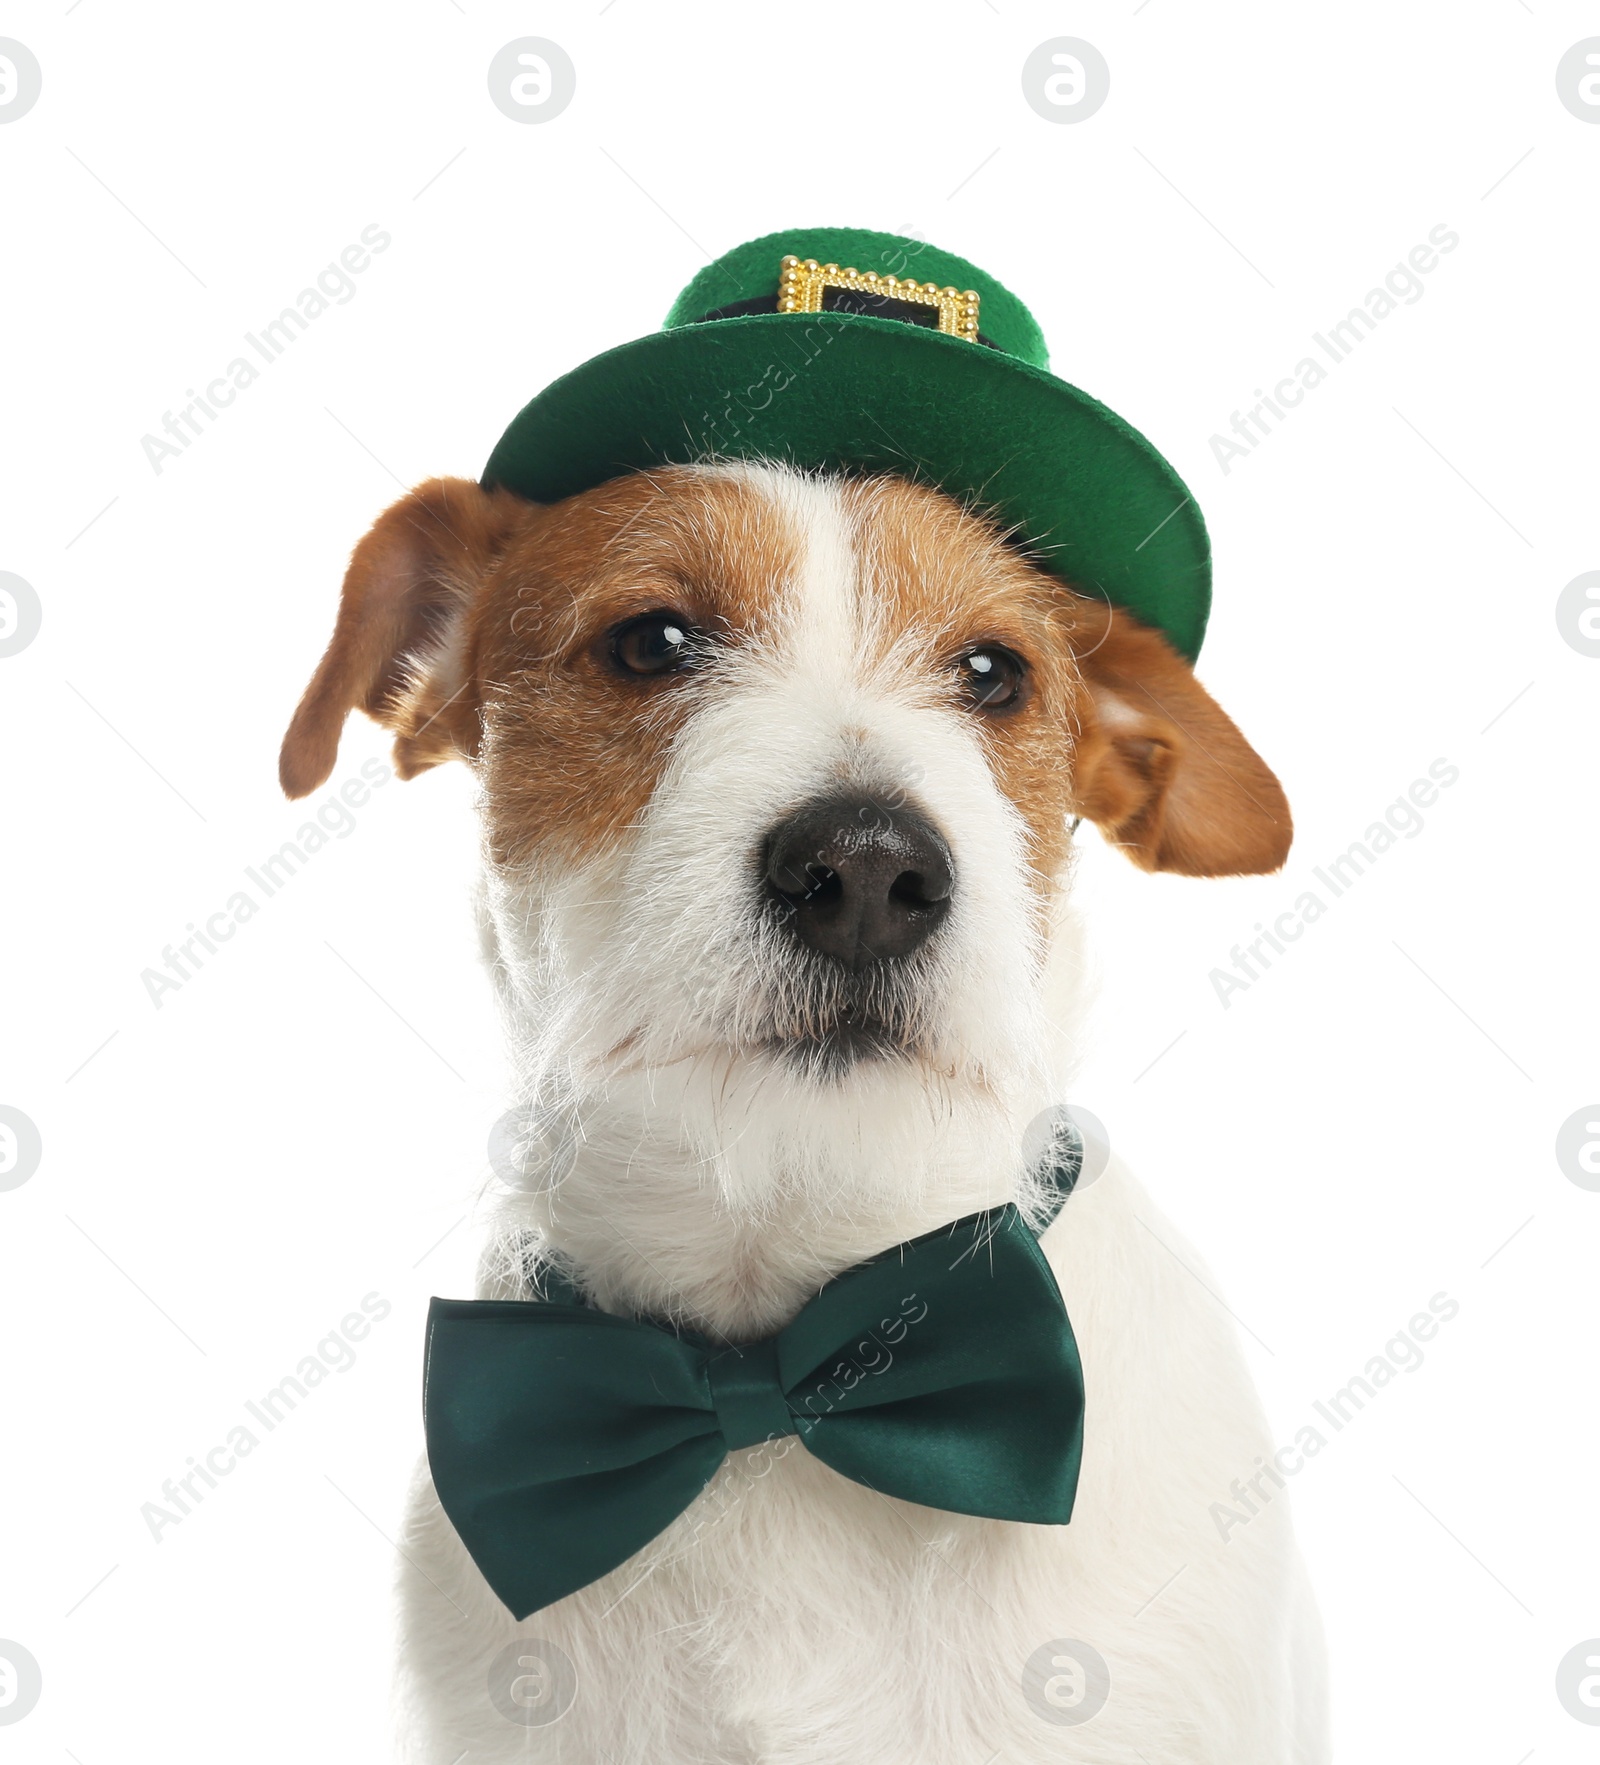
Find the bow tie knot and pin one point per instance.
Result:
(748, 1397)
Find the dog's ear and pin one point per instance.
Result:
(1160, 767)
(399, 648)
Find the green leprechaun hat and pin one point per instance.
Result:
(838, 348)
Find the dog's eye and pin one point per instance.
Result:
(654, 643)
(992, 677)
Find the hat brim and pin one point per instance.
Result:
(1087, 494)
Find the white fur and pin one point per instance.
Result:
(792, 1617)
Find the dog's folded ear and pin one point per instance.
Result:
(399, 649)
(1160, 767)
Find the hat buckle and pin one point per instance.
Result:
(802, 283)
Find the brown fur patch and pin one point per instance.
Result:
(477, 625)
(945, 584)
(411, 580)
(573, 748)
(1161, 768)
(1113, 725)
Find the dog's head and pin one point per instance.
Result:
(777, 772)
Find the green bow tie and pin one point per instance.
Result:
(563, 1439)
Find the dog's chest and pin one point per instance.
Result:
(789, 1600)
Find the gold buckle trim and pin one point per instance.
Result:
(802, 281)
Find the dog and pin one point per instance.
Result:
(778, 775)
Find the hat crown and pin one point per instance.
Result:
(750, 271)
(834, 372)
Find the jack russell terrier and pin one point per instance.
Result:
(759, 1442)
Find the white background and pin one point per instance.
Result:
(304, 1122)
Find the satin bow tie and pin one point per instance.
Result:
(563, 1439)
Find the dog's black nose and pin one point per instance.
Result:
(858, 880)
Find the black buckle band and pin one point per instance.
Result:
(843, 300)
